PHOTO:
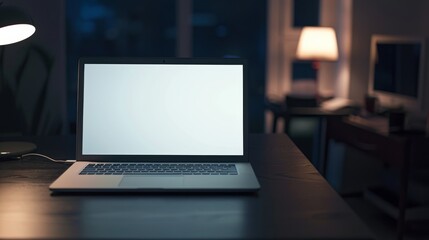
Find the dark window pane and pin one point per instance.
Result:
(306, 13)
(224, 28)
(126, 28)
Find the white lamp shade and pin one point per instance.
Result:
(15, 33)
(15, 25)
(317, 43)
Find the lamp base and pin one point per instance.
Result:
(10, 150)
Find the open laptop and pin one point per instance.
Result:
(161, 125)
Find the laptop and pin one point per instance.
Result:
(160, 125)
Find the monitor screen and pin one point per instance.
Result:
(162, 109)
(396, 68)
(396, 71)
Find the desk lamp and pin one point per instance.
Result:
(317, 44)
(15, 26)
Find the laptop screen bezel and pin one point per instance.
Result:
(159, 158)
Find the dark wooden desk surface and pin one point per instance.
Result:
(295, 202)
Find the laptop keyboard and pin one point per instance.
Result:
(160, 169)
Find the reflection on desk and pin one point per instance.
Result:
(294, 202)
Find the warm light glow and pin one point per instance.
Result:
(317, 43)
(15, 33)
(22, 216)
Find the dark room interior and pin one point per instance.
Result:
(336, 117)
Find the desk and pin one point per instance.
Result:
(372, 136)
(282, 111)
(295, 202)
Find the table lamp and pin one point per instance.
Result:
(15, 26)
(317, 44)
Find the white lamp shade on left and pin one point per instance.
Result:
(15, 33)
(15, 25)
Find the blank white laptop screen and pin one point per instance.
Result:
(162, 109)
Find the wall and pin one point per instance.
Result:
(33, 84)
(386, 17)
(424, 29)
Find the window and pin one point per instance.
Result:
(223, 28)
(306, 13)
(112, 28)
(149, 28)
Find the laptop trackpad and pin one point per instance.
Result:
(151, 181)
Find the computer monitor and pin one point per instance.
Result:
(396, 71)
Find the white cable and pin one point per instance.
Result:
(46, 157)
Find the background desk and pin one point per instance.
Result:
(295, 202)
(281, 110)
(398, 150)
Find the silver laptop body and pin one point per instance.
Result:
(160, 125)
